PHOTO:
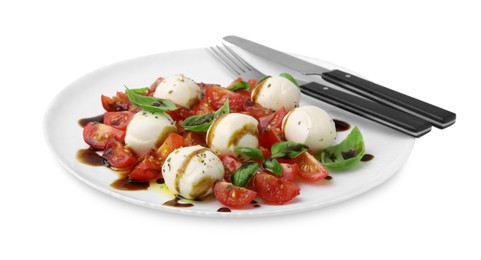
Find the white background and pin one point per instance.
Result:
(428, 49)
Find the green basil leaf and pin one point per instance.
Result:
(239, 86)
(203, 122)
(150, 104)
(139, 90)
(244, 173)
(288, 150)
(273, 166)
(262, 79)
(224, 109)
(346, 154)
(289, 77)
(253, 153)
(198, 123)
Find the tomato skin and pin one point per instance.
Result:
(97, 134)
(310, 169)
(115, 103)
(216, 96)
(172, 142)
(265, 152)
(119, 120)
(230, 165)
(233, 196)
(289, 171)
(149, 167)
(274, 190)
(118, 155)
(193, 138)
(270, 137)
(273, 120)
(203, 108)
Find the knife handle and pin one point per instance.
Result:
(437, 116)
(388, 116)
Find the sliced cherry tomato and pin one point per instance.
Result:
(118, 155)
(274, 190)
(273, 120)
(265, 152)
(153, 87)
(216, 97)
(172, 142)
(203, 108)
(230, 165)
(255, 110)
(268, 138)
(233, 196)
(119, 120)
(115, 103)
(310, 169)
(148, 168)
(289, 171)
(97, 134)
(193, 138)
(253, 83)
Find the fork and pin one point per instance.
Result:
(373, 111)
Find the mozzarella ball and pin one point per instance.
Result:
(192, 171)
(309, 125)
(148, 130)
(276, 92)
(179, 89)
(230, 131)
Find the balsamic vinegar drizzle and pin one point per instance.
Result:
(224, 209)
(90, 157)
(341, 126)
(367, 157)
(84, 121)
(124, 183)
(175, 203)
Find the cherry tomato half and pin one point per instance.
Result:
(233, 196)
(97, 134)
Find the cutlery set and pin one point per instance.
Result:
(372, 101)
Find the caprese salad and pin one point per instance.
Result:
(250, 139)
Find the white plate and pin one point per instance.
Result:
(82, 99)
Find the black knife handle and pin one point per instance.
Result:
(437, 116)
(388, 116)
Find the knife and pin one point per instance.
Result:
(437, 116)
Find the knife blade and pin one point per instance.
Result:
(437, 116)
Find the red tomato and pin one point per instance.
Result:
(289, 171)
(203, 108)
(149, 167)
(233, 196)
(97, 134)
(273, 120)
(193, 138)
(216, 97)
(118, 155)
(253, 83)
(274, 190)
(115, 103)
(265, 152)
(119, 120)
(153, 87)
(310, 169)
(172, 142)
(270, 137)
(230, 165)
(255, 110)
